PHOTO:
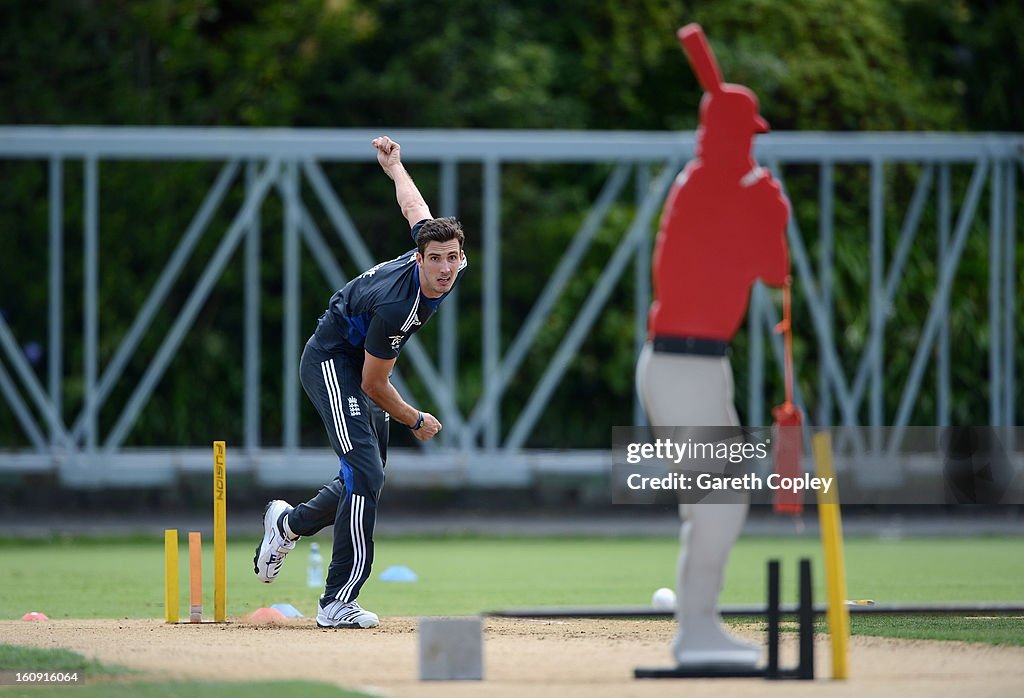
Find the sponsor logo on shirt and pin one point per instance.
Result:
(371, 271)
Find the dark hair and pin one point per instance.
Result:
(439, 230)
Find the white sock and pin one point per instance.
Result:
(286, 529)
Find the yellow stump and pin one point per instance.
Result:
(195, 577)
(219, 532)
(835, 568)
(171, 575)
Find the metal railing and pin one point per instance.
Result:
(476, 450)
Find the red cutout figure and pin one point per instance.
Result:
(723, 228)
(724, 222)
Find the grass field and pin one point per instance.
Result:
(87, 578)
(182, 689)
(81, 578)
(97, 681)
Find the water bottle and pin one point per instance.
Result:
(315, 569)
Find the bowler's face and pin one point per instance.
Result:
(439, 265)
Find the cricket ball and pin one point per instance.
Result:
(664, 599)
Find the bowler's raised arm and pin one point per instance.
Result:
(389, 155)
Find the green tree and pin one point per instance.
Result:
(815, 64)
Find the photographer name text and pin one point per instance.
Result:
(714, 482)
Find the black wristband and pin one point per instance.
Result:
(419, 423)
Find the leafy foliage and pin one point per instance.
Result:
(815, 64)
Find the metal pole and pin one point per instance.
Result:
(54, 353)
(492, 294)
(1010, 292)
(826, 261)
(995, 284)
(252, 320)
(641, 289)
(448, 346)
(943, 366)
(90, 297)
(755, 360)
(878, 306)
(290, 334)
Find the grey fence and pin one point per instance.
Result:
(475, 451)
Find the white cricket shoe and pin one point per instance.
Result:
(271, 551)
(345, 615)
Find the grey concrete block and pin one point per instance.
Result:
(451, 649)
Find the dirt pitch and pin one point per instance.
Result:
(593, 658)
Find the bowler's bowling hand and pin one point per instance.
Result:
(388, 152)
(428, 429)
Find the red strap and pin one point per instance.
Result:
(786, 327)
(788, 442)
